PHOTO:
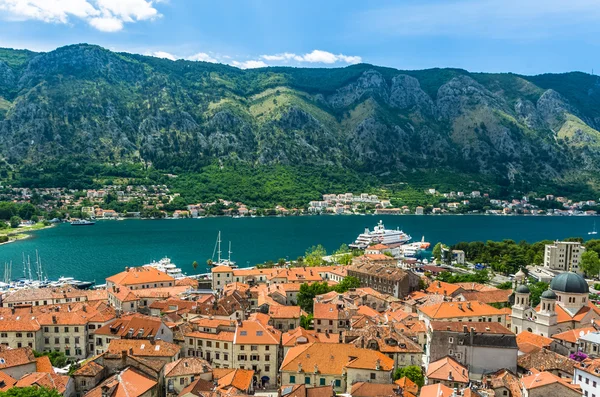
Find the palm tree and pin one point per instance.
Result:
(195, 265)
(209, 262)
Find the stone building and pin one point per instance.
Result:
(384, 279)
(472, 345)
(563, 256)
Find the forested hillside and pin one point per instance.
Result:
(81, 114)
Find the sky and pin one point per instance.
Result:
(520, 36)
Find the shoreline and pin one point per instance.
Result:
(22, 233)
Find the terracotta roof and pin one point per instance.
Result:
(367, 311)
(476, 287)
(459, 309)
(241, 379)
(140, 275)
(221, 269)
(128, 383)
(187, 366)
(407, 385)
(303, 391)
(91, 368)
(328, 311)
(488, 328)
(139, 325)
(378, 247)
(573, 335)
(220, 336)
(448, 368)
(591, 366)
(44, 379)
(43, 364)
(19, 323)
(443, 288)
(16, 357)
(199, 387)
(367, 389)
(298, 336)
(256, 333)
(285, 311)
(333, 358)
(527, 339)
(144, 348)
(6, 381)
(328, 337)
(505, 378)
(498, 296)
(437, 390)
(546, 360)
(546, 378)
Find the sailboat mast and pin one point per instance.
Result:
(229, 258)
(219, 245)
(29, 267)
(24, 267)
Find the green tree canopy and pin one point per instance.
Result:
(590, 263)
(314, 255)
(30, 392)
(412, 372)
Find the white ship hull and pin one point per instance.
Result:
(380, 235)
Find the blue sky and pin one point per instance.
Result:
(521, 36)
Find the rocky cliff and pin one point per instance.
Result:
(111, 107)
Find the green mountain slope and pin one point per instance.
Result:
(89, 104)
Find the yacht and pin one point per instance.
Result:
(220, 261)
(165, 265)
(380, 235)
(594, 231)
(82, 222)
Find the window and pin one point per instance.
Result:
(217, 345)
(181, 381)
(505, 393)
(56, 341)
(66, 340)
(46, 329)
(67, 352)
(307, 380)
(373, 375)
(217, 356)
(292, 379)
(76, 329)
(267, 348)
(47, 341)
(450, 340)
(267, 368)
(30, 334)
(322, 382)
(338, 383)
(66, 329)
(56, 329)
(587, 381)
(18, 335)
(208, 343)
(579, 378)
(267, 357)
(225, 346)
(225, 356)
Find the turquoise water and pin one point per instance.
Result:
(95, 252)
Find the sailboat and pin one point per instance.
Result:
(222, 262)
(594, 231)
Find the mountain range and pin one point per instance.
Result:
(97, 106)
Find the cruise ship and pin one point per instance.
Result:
(380, 235)
(165, 265)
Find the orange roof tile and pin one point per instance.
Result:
(528, 338)
(459, 309)
(241, 379)
(546, 378)
(144, 348)
(140, 275)
(331, 359)
(220, 336)
(407, 385)
(573, 335)
(437, 390)
(256, 333)
(16, 357)
(128, 383)
(187, 366)
(43, 364)
(44, 379)
(448, 368)
(443, 288)
(6, 381)
(285, 311)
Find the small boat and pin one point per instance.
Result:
(72, 282)
(594, 231)
(82, 222)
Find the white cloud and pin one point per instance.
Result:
(316, 56)
(202, 56)
(106, 24)
(104, 15)
(164, 54)
(252, 64)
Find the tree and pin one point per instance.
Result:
(195, 265)
(15, 221)
(437, 251)
(307, 293)
(209, 262)
(31, 391)
(590, 263)
(281, 262)
(57, 358)
(306, 321)
(347, 283)
(314, 255)
(412, 372)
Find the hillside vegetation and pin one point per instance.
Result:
(81, 114)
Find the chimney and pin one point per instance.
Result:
(460, 306)
(469, 305)
(54, 320)
(123, 355)
(465, 329)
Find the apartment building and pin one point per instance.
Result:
(18, 331)
(384, 279)
(469, 311)
(564, 256)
